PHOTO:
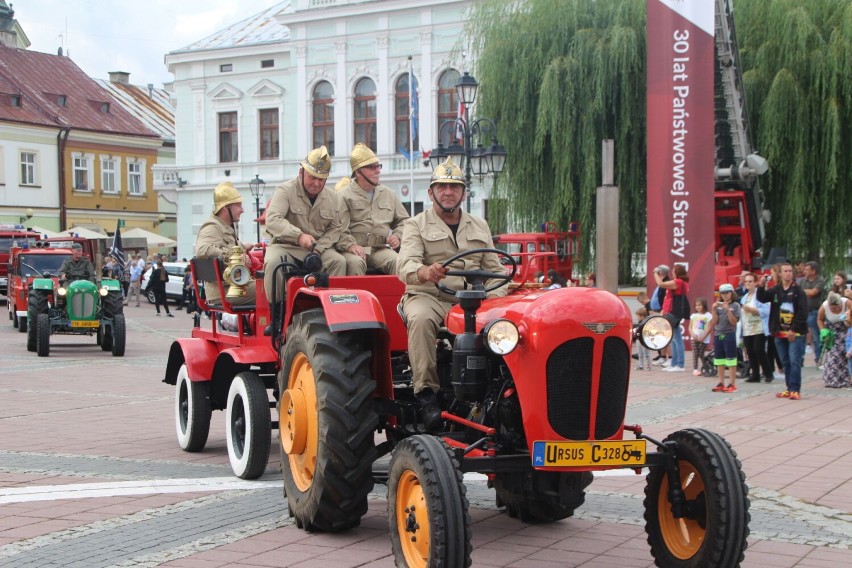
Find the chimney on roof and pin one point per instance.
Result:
(150, 90)
(120, 77)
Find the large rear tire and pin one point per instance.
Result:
(248, 427)
(541, 496)
(192, 412)
(43, 335)
(427, 506)
(36, 304)
(715, 528)
(327, 422)
(112, 304)
(119, 332)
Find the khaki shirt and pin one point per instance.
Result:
(426, 239)
(290, 213)
(215, 239)
(372, 217)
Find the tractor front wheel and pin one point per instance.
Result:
(541, 496)
(43, 335)
(713, 526)
(427, 505)
(119, 332)
(37, 304)
(192, 412)
(326, 424)
(248, 427)
(112, 304)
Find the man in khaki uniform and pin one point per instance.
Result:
(301, 218)
(375, 212)
(428, 240)
(217, 237)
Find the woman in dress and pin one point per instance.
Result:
(755, 328)
(835, 318)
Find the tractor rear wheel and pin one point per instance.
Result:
(541, 496)
(37, 304)
(112, 304)
(192, 412)
(326, 424)
(248, 427)
(22, 324)
(714, 530)
(31, 336)
(119, 332)
(43, 335)
(427, 505)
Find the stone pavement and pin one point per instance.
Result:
(91, 474)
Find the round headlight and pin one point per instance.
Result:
(103, 291)
(501, 336)
(61, 291)
(655, 332)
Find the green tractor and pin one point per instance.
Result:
(80, 307)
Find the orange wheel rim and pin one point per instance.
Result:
(412, 520)
(297, 418)
(683, 537)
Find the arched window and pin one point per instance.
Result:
(365, 112)
(448, 104)
(402, 112)
(323, 116)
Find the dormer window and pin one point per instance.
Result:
(105, 108)
(15, 101)
(266, 63)
(226, 67)
(62, 100)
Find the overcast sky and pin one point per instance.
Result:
(124, 35)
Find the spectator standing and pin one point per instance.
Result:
(676, 307)
(157, 284)
(643, 352)
(655, 306)
(700, 330)
(814, 287)
(137, 268)
(838, 285)
(726, 315)
(755, 327)
(834, 319)
(591, 280)
(788, 323)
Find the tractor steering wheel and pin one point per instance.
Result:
(478, 277)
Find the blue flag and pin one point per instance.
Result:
(117, 251)
(414, 105)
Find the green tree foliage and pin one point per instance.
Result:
(559, 76)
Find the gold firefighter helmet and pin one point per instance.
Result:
(225, 194)
(344, 181)
(318, 163)
(362, 156)
(447, 172)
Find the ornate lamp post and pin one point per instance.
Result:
(479, 161)
(256, 186)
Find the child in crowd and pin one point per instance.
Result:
(726, 315)
(644, 352)
(701, 330)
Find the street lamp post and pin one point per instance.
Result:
(257, 186)
(479, 161)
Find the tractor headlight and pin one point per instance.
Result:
(103, 291)
(655, 332)
(61, 291)
(501, 336)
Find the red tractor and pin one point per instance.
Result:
(534, 390)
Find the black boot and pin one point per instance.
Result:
(430, 410)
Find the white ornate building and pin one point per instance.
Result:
(254, 98)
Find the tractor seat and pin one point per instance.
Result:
(443, 332)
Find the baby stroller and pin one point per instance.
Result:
(708, 368)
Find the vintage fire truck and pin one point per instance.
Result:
(12, 236)
(541, 252)
(534, 388)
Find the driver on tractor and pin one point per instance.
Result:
(428, 239)
(77, 267)
(218, 236)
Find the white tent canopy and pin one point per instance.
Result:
(84, 233)
(153, 239)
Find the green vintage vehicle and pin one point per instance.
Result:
(80, 307)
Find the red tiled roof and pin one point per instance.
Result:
(40, 79)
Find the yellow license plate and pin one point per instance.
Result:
(625, 453)
(83, 323)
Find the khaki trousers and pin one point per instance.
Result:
(382, 259)
(424, 315)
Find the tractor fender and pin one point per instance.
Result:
(199, 355)
(43, 284)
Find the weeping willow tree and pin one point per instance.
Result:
(559, 76)
(797, 61)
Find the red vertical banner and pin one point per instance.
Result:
(680, 119)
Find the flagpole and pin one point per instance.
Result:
(411, 94)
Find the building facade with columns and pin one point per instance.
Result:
(253, 99)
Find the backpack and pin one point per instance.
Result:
(655, 300)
